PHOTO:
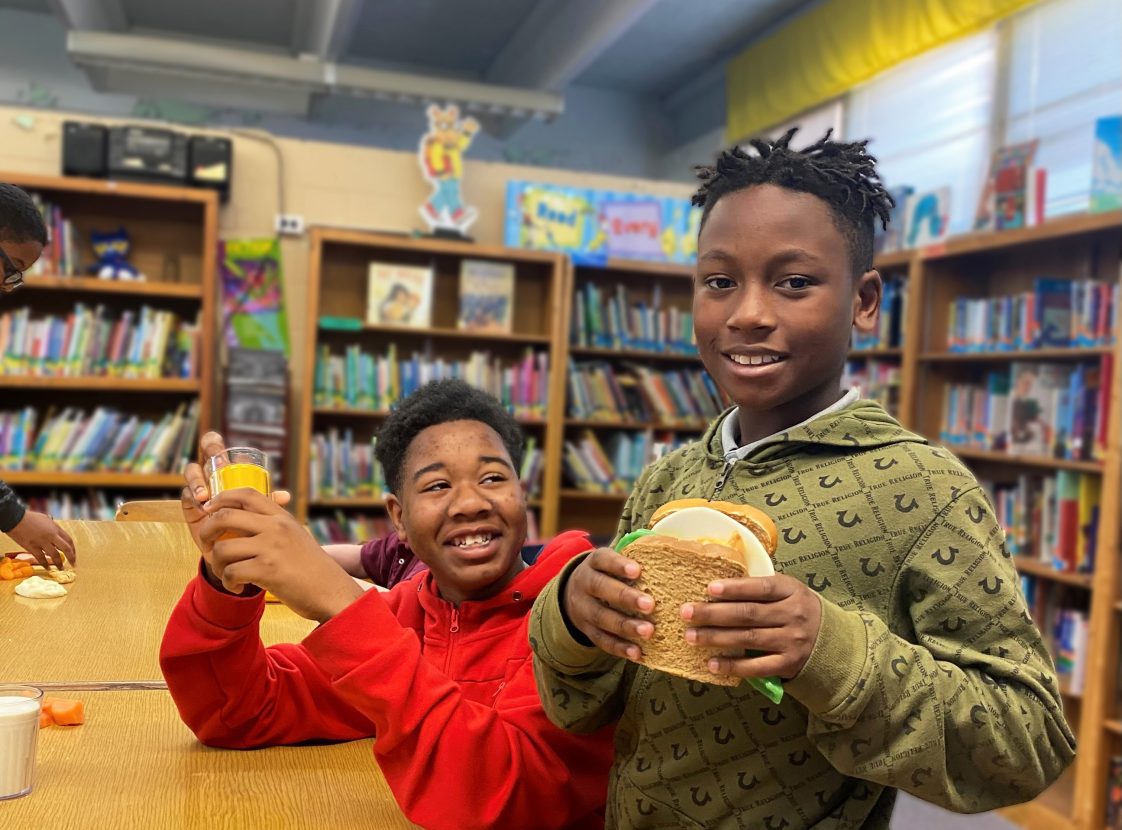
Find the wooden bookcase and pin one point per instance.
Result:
(996, 264)
(174, 236)
(598, 512)
(337, 286)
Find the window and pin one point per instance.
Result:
(1065, 71)
(929, 120)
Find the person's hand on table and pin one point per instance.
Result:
(196, 492)
(38, 534)
(249, 539)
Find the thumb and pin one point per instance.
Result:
(282, 497)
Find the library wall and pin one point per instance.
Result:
(327, 184)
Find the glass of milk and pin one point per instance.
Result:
(19, 734)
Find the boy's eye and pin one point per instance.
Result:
(796, 282)
(494, 478)
(718, 282)
(436, 485)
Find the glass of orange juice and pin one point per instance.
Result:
(238, 467)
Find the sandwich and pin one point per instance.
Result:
(690, 543)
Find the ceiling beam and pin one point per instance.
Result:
(95, 15)
(558, 41)
(323, 27)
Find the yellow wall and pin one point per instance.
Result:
(328, 184)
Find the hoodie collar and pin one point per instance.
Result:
(730, 428)
(857, 424)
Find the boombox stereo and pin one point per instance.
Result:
(146, 154)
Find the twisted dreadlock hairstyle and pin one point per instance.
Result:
(841, 174)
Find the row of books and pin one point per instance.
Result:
(92, 506)
(614, 465)
(401, 295)
(151, 343)
(1055, 314)
(1065, 627)
(1043, 409)
(611, 319)
(362, 380)
(341, 467)
(601, 391)
(1052, 519)
(60, 256)
(878, 380)
(107, 439)
(893, 311)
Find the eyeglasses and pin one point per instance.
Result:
(13, 277)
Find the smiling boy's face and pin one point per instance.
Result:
(461, 509)
(775, 302)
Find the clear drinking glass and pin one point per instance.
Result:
(19, 737)
(239, 467)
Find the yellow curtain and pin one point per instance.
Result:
(839, 44)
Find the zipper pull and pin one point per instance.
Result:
(455, 621)
(722, 479)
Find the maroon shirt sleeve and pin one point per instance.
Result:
(387, 560)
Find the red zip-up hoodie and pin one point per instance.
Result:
(449, 692)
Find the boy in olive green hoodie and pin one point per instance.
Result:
(908, 656)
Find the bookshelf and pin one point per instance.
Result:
(992, 265)
(627, 332)
(173, 234)
(338, 271)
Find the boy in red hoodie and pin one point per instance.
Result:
(439, 668)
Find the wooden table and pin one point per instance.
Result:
(135, 765)
(109, 627)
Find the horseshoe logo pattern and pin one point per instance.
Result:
(846, 520)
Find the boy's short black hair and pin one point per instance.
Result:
(841, 174)
(20, 220)
(435, 403)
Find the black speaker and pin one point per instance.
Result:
(210, 163)
(84, 149)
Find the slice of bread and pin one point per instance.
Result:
(676, 571)
(757, 521)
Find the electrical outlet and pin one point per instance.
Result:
(290, 224)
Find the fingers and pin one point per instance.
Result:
(603, 579)
(196, 483)
(765, 665)
(282, 497)
(65, 544)
(245, 498)
(737, 640)
(229, 520)
(754, 588)
(738, 614)
(612, 631)
(210, 445)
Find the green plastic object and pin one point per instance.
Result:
(769, 687)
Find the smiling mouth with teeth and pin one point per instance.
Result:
(755, 359)
(473, 540)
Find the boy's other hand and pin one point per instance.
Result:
(249, 539)
(774, 618)
(604, 607)
(38, 534)
(196, 491)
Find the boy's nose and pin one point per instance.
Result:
(753, 310)
(469, 501)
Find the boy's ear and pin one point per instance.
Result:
(866, 301)
(393, 507)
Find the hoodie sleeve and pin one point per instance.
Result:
(11, 508)
(966, 713)
(582, 688)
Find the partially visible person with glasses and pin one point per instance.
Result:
(22, 238)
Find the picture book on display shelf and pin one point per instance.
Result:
(399, 295)
(1013, 194)
(927, 217)
(486, 296)
(1106, 165)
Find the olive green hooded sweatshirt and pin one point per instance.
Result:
(928, 674)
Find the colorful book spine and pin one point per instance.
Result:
(618, 317)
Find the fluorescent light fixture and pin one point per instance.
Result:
(145, 65)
